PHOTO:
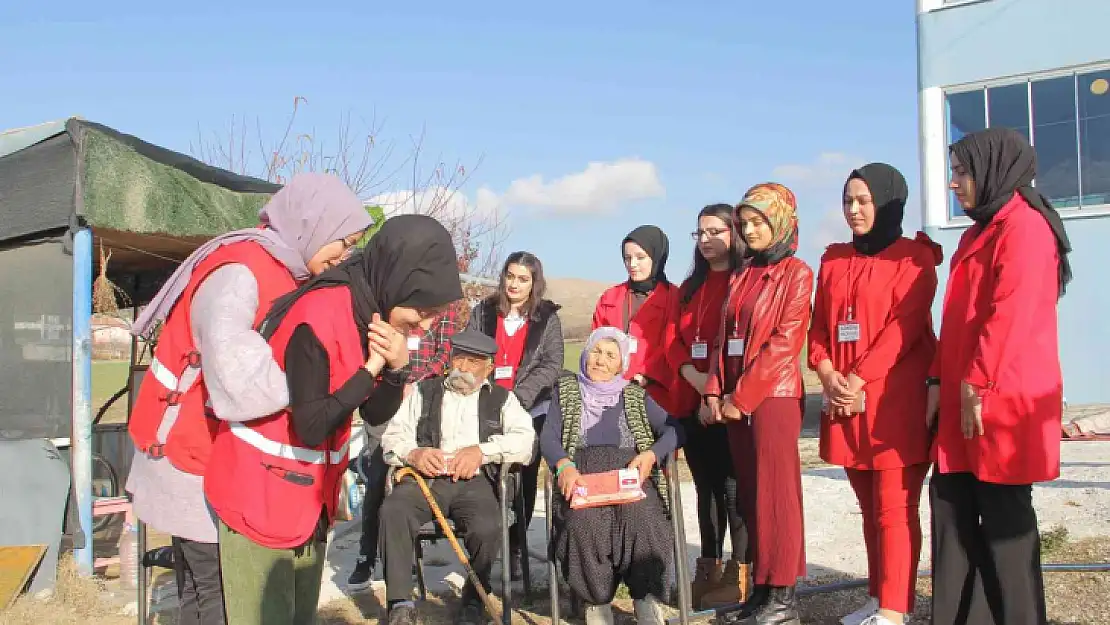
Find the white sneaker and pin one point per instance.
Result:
(599, 614)
(860, 616)
(877, 619)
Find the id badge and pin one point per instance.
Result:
(847, 332)
(503, 373)
(632, 344)
(699, 350)
(736, 347)
(414, 343)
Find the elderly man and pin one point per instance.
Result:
(455, 430)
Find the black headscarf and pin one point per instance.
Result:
(1001, 162)
(889, 194)
(655, 244)
(410, 261)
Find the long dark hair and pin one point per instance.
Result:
(539, 284)
(700, 270)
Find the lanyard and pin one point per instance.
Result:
(745, 288)
(704, 299)
(628, 311)
(853, 286)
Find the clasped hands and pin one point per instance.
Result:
(387, 346)
(842, 391)
(432, 462)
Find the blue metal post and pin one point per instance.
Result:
(81, 451)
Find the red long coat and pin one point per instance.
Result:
(891, 296)
(648, 327)
(999, 333)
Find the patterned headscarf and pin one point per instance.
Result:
(779, 207)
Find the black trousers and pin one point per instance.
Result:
(710, 462)
(199, 585)
(986, 553)
(377, 472)
(529, 481)
(472, 505)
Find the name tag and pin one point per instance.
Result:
(414, 343)
(503, 373)
(633, 344)
(629, 479)
(847, 331)
(736, 347)
(699, 350)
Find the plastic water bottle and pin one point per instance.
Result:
(128, 556)
(355, 494)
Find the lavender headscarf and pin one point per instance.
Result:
(309, 212)
(597, 396)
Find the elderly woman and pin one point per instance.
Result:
(598, 422)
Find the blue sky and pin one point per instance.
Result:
(678, 104)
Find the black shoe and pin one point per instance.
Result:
(160, 557)
(361, 576)
(755, 601)
(470, 613)
(403, 614)
(780, 608)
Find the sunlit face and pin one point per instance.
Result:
(755, 229)
(859, 207)
(406, 319)
(713, 237)
(637, 262)
(518, 283)
(333, 253)
(603, 362)
(961, 183)
(468, 371)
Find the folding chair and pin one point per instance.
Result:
(682, 573)
(509, 489)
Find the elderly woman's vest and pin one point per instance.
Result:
(429, 428)
(635, 414)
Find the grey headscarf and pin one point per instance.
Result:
(309, 212)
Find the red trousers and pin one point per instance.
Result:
(889, 500)
(769, 489)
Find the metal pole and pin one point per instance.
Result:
(81, 453)
(506, 556)
(141, 589)
(682, 574)
(552, 570)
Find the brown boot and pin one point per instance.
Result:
(733, 588)
(707, 577)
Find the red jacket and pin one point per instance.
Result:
(648, 327)
(169, 418)
(775, 339)
(891, 296)
(692, 323)
(262, 481)
(999, 333)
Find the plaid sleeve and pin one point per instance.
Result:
(444, 332)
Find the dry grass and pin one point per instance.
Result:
(76, 601)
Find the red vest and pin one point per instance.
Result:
(262, 480)
(510, 353)
(169, 418)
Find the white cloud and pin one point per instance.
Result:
(440, 202)
(602, 186)
(818, 186)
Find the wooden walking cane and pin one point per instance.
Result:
(487, 601)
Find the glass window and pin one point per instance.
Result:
(1094, 137)
(1008, 107)
(967, 113)
(1055, 139)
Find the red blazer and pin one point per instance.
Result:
(648, 326)
(697, 320)
(772, 358)
(999, 333)
(891, 296)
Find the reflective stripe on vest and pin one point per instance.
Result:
(177, 389)
(281, 450)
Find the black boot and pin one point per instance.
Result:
(780, 608)
(759, 596)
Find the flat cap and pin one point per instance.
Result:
(474, 342)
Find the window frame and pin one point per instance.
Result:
(1076, 212)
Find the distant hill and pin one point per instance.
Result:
(578, 299)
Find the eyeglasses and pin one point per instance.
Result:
(710, 233)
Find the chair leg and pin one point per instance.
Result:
(552, 571)
(682, 573)
(522, 537)
(419, 549)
